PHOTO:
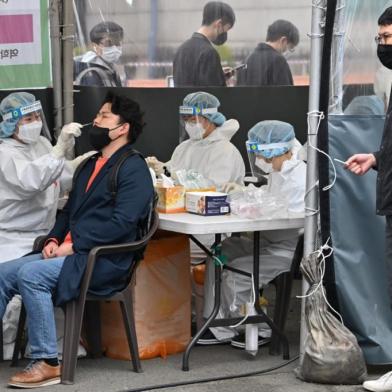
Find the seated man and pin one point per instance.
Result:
(92, 219)
(286, 176)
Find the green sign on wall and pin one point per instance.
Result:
(24, 44)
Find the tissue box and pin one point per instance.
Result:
(171, 200)
(207, 203)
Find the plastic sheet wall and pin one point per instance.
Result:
(358, 239)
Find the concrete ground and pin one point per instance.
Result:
(205, 363)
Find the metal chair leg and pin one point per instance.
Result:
(73, 325)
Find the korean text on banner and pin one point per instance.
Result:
(24, 44)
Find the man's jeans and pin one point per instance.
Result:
(35, 279)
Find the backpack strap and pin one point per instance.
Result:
(113, 175)
(100, 72)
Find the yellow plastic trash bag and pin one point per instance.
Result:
(162, 302)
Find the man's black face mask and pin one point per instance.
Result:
(99, 137)
(384, 53)
(220, 39)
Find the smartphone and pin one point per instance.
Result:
(241, 66)
(235, 69)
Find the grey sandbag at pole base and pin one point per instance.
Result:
(332, 354)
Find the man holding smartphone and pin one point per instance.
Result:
(196, 62)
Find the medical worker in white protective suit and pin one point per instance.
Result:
(32, 172)
(208, 150)
(270, 144)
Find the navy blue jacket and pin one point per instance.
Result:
(94, 219)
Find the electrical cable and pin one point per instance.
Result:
(212, 379)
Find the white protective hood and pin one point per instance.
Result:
(215, 157)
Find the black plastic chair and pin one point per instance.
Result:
(74, 310)
(283, 285)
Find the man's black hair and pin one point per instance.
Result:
(385, 18)
(283, 28)
(129, 112)
(215, 10)
(106, 29)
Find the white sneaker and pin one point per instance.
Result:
(382, 384)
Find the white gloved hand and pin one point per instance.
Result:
(66, 139)
(232, 187)
(78, 160)
(155, 165)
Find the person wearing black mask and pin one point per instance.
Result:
(196, 62)
(93, 216)
(267, 64)
(381, 161)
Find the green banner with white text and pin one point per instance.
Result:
(24, 44)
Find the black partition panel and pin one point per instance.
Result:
(248, 105)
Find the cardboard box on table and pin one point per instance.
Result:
(162, 302)
(172, 200)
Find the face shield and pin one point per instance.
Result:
(192, 124)
(260, 156)
(30, 122)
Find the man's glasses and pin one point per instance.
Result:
(379, 38)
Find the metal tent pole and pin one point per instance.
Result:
(311, 198)
(336, 95)
(68, 46)
(54, 17)
(152, 38)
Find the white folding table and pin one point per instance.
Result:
(192, 224)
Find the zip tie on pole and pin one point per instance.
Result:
(315, 113)
(314, 35)
(319, 285)
(318, 6)
(68, 37)
(312, 211)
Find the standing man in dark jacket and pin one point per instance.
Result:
(90, 218)
(382, 162)
(196, 62)
(266, 65)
